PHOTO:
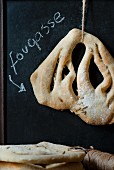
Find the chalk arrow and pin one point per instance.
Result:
(21, 87)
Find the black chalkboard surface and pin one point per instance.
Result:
(28, 44)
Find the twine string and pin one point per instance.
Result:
(83, 17)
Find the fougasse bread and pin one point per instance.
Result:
(41, 153)
(95, 106)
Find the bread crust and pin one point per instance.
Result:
(41, 153)
(94, 106)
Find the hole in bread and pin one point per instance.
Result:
(77, 56)
(94, 74)
(54, 76)
(65, 72)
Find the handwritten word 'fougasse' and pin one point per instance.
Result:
(57, 18)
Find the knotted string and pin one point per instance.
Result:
(83, 17)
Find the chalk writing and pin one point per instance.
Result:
(45, 29)
(33, 42)
(21, 87)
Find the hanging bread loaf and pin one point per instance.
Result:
(93, 105)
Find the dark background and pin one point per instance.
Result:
(26, 121)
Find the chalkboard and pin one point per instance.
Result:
(26, 121)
